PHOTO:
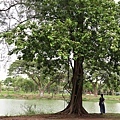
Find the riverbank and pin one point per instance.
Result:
(29, 96)
(32, 96)
(64, 117)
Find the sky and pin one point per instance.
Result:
(6, 60)
(117, 0)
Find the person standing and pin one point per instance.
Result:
(101, 104)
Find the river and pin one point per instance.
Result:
(10, 107)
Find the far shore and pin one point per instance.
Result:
(60, 96)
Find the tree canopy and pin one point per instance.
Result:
(55, 30)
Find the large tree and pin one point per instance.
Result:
(65, 27)
(43, 77)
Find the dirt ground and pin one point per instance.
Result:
(61, 117)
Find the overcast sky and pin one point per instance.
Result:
(5, 60)
(117, 0)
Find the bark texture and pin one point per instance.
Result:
(75, 105)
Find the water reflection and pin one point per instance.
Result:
(17, 107)
(113, 108)
(91, 107)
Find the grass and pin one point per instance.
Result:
(108, 98)
(22, 95)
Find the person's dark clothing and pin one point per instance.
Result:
(101, 104)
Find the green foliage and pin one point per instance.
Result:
(19, 83)
(25, 85)
(65, 27)
(41, 78)
(57, 38)
(8, 81)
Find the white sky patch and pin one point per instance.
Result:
(5, 60)
(117, 1)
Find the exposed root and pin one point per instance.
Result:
(71, 111)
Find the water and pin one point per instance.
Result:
(93, 107)
(17, 107)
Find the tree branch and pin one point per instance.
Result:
(13, 5)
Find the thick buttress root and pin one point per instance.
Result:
(69, 110)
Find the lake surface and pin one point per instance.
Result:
(18, 107)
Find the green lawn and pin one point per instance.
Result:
(31, 95)
(108, 98)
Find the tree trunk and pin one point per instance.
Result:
(75, 105)
(95, 92)
(41, 92)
